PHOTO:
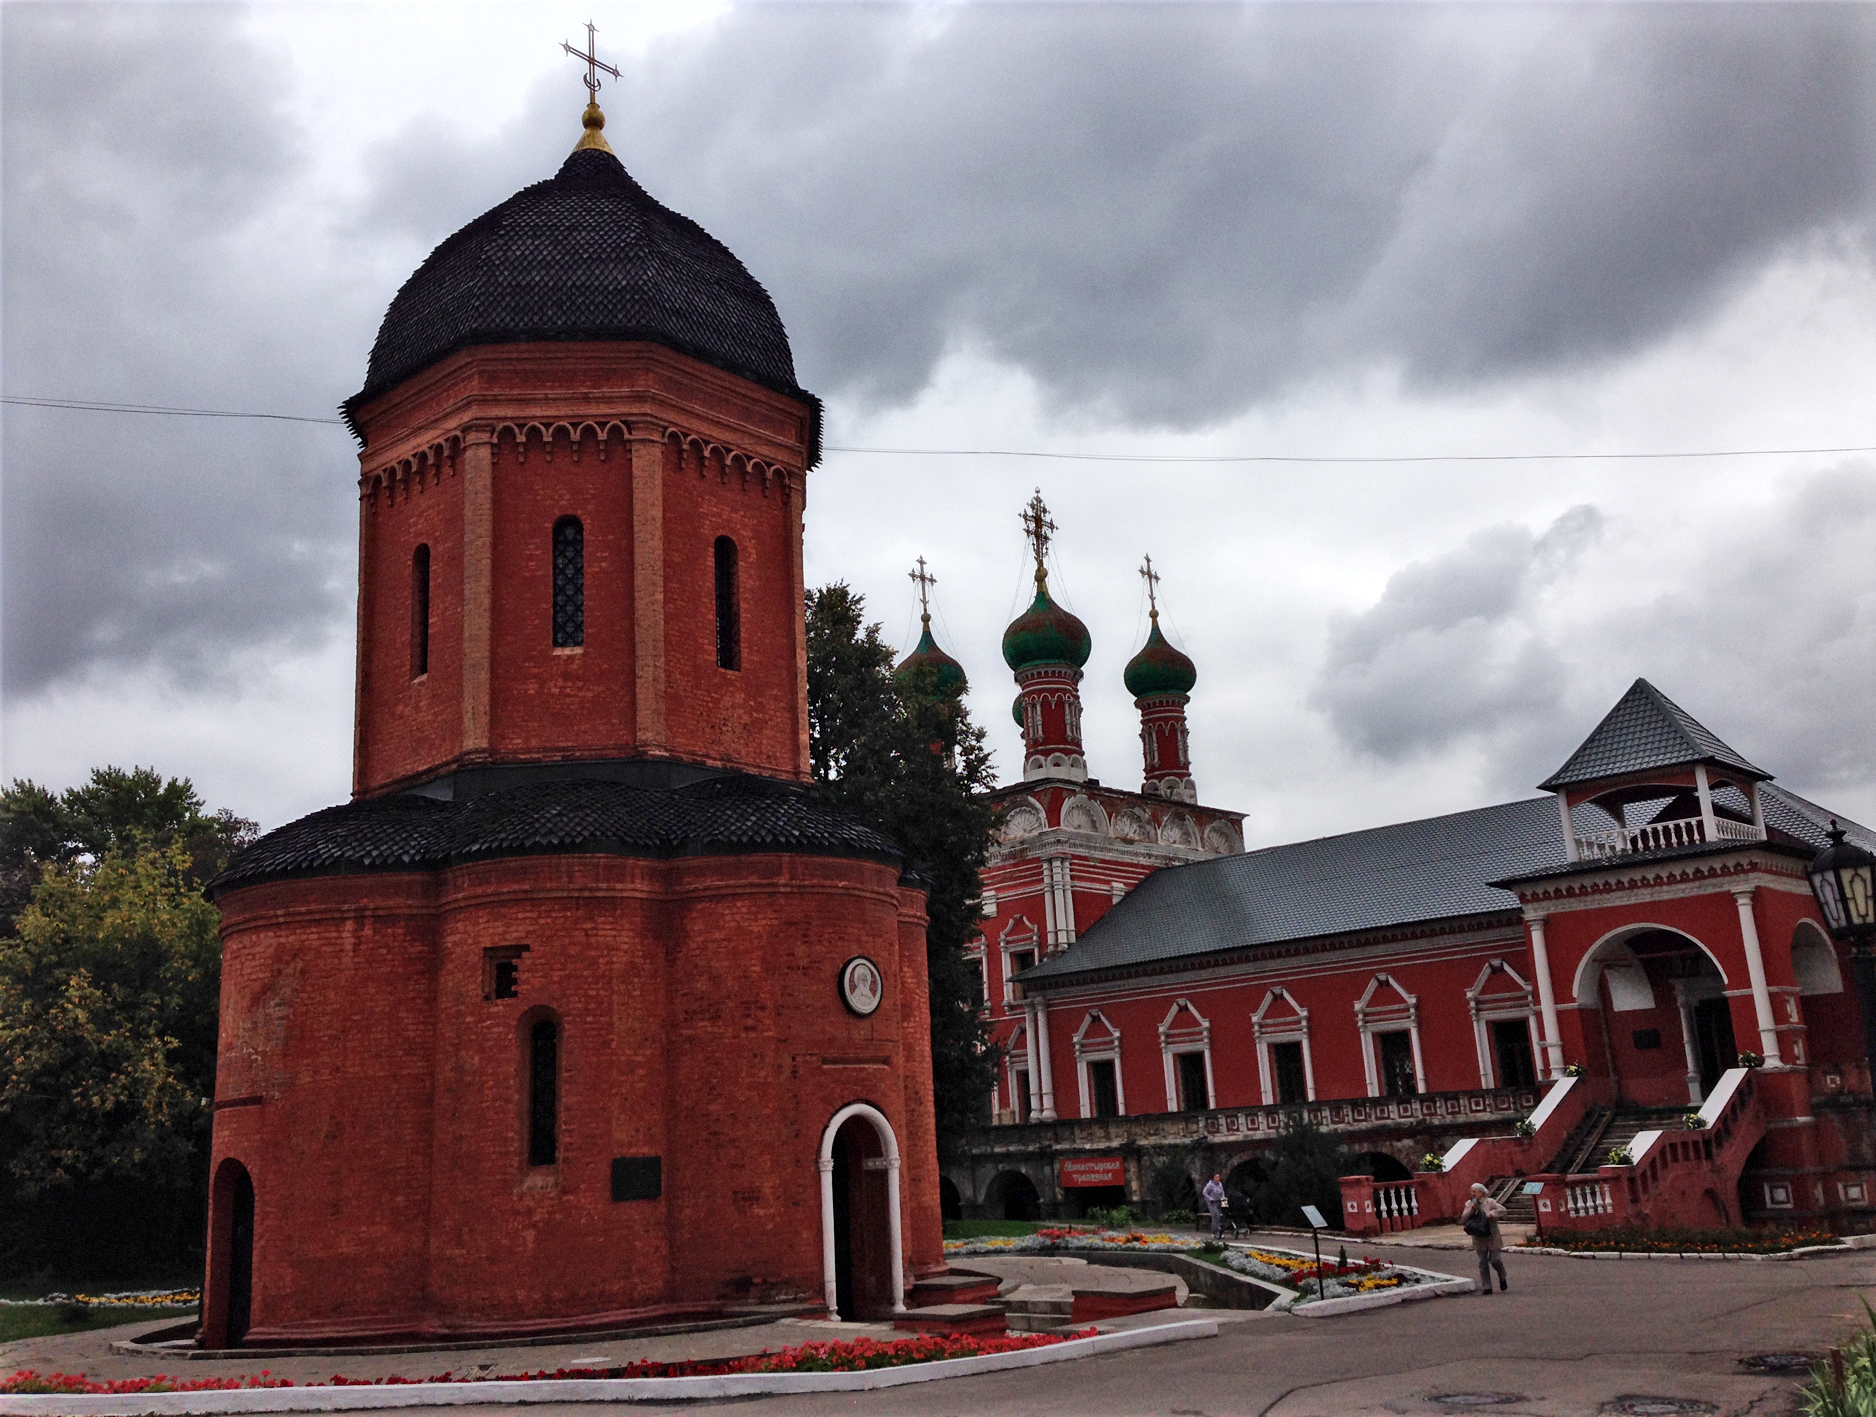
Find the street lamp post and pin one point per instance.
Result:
(1843, 878)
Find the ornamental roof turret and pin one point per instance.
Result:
(1045, 633)
(587, 254)
(1646, 732)
(1158, 668)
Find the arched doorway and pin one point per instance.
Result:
(231, 1212)
(1382, 1167)
(862, 1259)
(1658, 998)
(1012, 1196)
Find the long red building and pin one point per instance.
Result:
(1598, 962)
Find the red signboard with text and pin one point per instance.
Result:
(1094, 1171)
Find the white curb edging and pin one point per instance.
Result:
(1382, 1298)
(1803, 1252)
(478, 1394)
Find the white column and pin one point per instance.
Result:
(827, 1236)
(1755, 972)
(1709, 827)
(1066, 915)
(1687, 1041)
(1546, 999)
(1569, 825)
(1035, 1070)
(1420, 1066)
(895, 1242)
(1041, 1045)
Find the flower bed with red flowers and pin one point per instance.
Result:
(1670, 1241)
(852, 1356)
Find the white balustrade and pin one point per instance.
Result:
(1588, 1198)
(1661, 836)
(1397, 1206)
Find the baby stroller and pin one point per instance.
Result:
(1234, 1219)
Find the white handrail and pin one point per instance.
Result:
(1661, 836)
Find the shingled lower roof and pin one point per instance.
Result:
(727, 815)
(1646, 731)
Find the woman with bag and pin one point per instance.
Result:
(1480, 1220)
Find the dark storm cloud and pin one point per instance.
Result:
(1163, 214)
(146, 168)
(1449, 651)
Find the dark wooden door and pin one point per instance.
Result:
(862, 1224)
(1713, 1041)
(241, 1259)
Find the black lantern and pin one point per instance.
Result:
(1843, 878)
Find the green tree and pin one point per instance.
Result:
(901, 753)
(1304, 1167)
(113, 811)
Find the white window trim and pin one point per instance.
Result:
(1016, 1063)
(1194, 1039)
(1293, 1029)
(1499, 1008)
(1104, 1050)
(1371, 1019)
(1019, 934)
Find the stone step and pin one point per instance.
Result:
(956, 1287)
(953, 1318)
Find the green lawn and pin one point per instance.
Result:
(46, 1320)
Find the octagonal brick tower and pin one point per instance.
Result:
(583, 1012)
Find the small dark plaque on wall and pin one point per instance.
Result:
(1647, 1038)
(637, 1178)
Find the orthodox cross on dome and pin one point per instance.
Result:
(1151, 577)
(926, 580)
(593, 119)
(1038, 528)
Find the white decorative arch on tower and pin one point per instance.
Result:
(895, 1248)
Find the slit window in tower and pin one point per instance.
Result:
(569, 583)
(543, 1093)
(729, 607)
(420, 612)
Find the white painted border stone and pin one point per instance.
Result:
(478, 1394)
(1803, 1252)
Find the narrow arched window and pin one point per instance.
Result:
(420, 612)
(544, 1093)
(729, 608)
(569, 583)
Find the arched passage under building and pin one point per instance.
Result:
(1012, 1196)
(862, 1259)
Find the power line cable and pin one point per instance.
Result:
(163, 410)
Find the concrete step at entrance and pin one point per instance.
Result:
(957, 1287)
(953, 1318)
(1041, 1308)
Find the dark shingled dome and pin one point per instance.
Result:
(1045, 633)
(1159, 668)
(721, 816)
(585, 255)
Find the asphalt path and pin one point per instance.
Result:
(1571, 1338)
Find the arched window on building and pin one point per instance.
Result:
(729, 607)
(543, 1056)
(569, 583)
(420, 612)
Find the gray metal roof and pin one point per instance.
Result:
(1426, 870)
(1644, 731)
(1412, 872)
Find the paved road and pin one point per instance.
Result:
(1569, 1337)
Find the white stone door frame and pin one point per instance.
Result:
(895, 1246)
(1196, 1038)
(1371, 1019)
(1504, 1007)
(1294, 1029)
(1098, 1051)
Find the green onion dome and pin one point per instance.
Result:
(1159, 669)
(1046, 634)
(950, 673)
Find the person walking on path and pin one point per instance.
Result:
(1214, 1194)
(1480, 1220)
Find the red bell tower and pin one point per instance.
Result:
(1046, 646)
(1160, 679)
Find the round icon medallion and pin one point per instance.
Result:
(861, 985)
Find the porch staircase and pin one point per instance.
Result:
(1587, 1147)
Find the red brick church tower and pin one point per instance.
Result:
(582, 1011)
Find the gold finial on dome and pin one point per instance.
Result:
(1038, 528)
(593, 120)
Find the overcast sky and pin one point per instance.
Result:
(1308, 230)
